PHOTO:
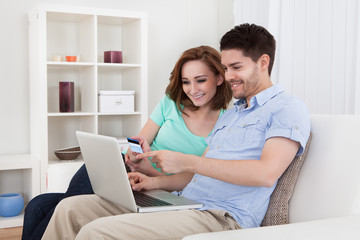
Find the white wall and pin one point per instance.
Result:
(174, 25)
(318, 49)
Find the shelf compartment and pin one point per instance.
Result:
(120, 34)
(119, 125)
(60, 174)
(12, 181)
(62, 131)
(84, 86)
(126, 79)
(70, 34)
(18, 173)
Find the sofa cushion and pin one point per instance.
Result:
(278, 209)
(325, 229)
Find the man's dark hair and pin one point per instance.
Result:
(252, 40)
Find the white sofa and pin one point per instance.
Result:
(326, 199)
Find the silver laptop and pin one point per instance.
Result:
(108, 177)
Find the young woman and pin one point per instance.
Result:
(195, 98)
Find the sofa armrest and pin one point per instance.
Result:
(326, 229)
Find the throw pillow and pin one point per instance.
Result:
(278, 209)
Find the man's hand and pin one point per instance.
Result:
(167, 161)
(139, 181)
(277, 154)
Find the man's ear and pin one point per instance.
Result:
(220, 80)
(264, 61)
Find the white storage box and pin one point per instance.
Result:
(116, 101)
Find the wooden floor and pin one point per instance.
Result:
(10, 233)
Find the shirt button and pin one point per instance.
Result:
(194, 181)
(245, 125)
(218, 147)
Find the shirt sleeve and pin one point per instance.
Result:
(158, 114)
(293, 122)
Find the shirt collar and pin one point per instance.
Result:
(261, 98)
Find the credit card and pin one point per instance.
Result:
(134, 145)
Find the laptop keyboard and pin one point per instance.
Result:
(144, 200)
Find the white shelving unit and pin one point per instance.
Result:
(87, 32)
(18, 173)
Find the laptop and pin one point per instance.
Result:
(105, 165)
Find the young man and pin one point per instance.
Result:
(249, 148)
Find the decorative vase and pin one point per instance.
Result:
(113, 57)
(66, 96)
(11, 204)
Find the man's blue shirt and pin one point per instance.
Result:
(240, 134)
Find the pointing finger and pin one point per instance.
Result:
(146, 155)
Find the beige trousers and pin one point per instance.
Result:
(91, 217)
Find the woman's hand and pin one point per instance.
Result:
(144, 165)
(144, 146)
(143, 143)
